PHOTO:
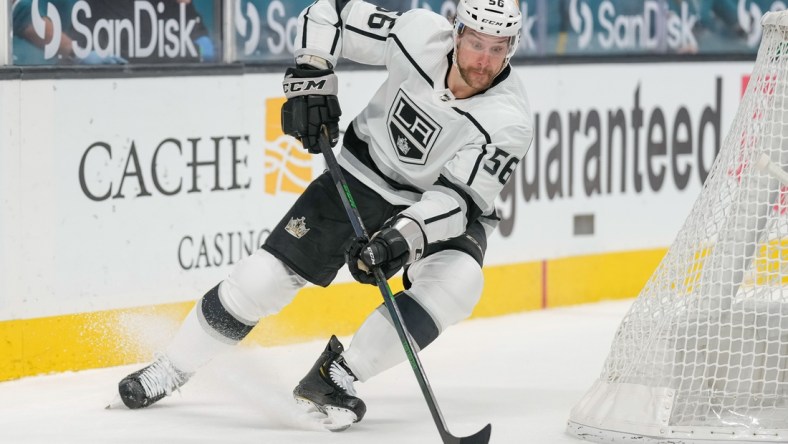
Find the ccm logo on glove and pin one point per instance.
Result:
(311, 104)
(306, 86)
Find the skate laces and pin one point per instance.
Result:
(161, 377)
(342, 377)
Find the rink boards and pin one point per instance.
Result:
(122, 200)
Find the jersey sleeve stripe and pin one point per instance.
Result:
(401, 47)
(472, 210)
(475, 201)
(484, 147)
(411, 60)
(442, 216)
(365, 33)
(444, 186)
(475, 123)
(306, 20)
(476, 165)
(338, 26)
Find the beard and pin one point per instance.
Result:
(476, 78)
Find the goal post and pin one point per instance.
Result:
(702, 354)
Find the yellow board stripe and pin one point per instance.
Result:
(115, 337)
(593, 278)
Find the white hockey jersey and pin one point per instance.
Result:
(415, 143)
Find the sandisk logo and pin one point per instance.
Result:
(749, 18)
(39, 27)
(648, 28)
(304, 85)
(167, 37)
(492, 22)
(247, 25)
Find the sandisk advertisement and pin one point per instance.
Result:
(98, 32)
(149, 190)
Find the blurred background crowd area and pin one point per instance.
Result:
(92, 32)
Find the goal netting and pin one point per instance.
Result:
(702, 354)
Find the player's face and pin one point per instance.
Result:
(480, 57)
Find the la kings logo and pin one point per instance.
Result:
(413, 133)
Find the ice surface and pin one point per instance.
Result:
(522, 373)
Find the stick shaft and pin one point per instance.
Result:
(385, 289)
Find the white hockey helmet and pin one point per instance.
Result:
(499, 18)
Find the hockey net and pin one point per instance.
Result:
(702, 354)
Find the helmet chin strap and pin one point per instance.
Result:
(458, 28)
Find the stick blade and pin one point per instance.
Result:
(480, 437)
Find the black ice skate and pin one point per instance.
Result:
(328, 389)
(148, 385)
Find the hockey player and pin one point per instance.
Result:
(425, 161)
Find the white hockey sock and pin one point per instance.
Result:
(375, 348)
(450, 283)
(193, 345)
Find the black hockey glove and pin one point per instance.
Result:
(311, 103)
(387, 249)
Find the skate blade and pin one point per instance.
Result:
(333, 419)
(116, 403)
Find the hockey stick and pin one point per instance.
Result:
(483, 435)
